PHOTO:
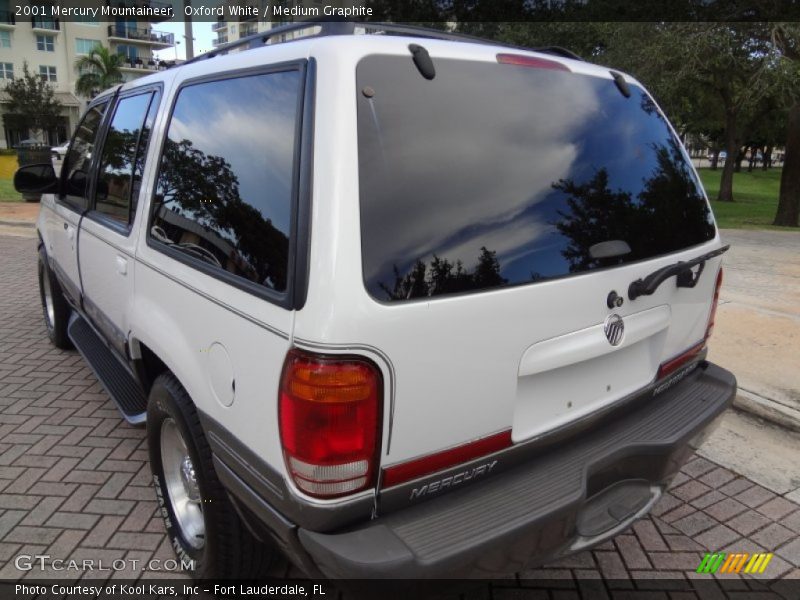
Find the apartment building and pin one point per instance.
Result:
(50, 47)
(230, 30)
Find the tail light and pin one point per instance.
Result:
(329, 413)
(714, 303)
(673, 364)
(689, 355)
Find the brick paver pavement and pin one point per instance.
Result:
(75, 484)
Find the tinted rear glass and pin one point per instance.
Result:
(492, 175)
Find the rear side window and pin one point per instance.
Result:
(492, 175)
(122, 158)
(226, 178)
(75, 169)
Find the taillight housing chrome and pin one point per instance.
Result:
(329, 414)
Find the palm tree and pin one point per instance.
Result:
(98, 70)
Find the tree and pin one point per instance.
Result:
(440, 276)
(99, 70)
(712, 79)
(787, 38)
(32, 101)
(721, 72)
(260, 250)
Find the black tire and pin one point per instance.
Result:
(229, 550)
(56, 321)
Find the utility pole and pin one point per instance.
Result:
(187, 24)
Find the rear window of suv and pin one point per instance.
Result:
(493, 175)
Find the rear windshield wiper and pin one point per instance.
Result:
(683, 271)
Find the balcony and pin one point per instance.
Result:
(7, 20)
(219, 25)
(46, 25)
(144, 36)
(144, 66)
(245, 31)
(222, 39)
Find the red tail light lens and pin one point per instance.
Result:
(673, 364)
(521, 60)
(329, 422)
(713, 315)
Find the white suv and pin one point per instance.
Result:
(402, 305)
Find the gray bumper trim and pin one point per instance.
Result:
(531, 512)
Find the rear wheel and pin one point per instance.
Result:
(55, 308)
(203, 527)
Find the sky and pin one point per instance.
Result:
(201, 32)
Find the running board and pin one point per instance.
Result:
(115, 378)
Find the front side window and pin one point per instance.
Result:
(77, 163)
(225, 183)
(48, 73)
(45, 43)
(121, 160)
(493, 175)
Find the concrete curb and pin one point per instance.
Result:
(17, 223)
(768, 409)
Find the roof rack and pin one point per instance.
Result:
(329, 27)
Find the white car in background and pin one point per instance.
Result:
(59, 152)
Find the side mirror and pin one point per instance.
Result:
(36, 179)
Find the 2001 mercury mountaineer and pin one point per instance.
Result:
(402, 305)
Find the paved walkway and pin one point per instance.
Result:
(75, 484)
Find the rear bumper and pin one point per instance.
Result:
(567, 497)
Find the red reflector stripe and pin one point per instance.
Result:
(673, 364)
(441, 460)
(531, 61)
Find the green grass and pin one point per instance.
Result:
(7, 192)
(755, 197)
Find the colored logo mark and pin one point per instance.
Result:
(735, 562)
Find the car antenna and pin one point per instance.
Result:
(423, 61)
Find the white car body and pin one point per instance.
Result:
(527, 359)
